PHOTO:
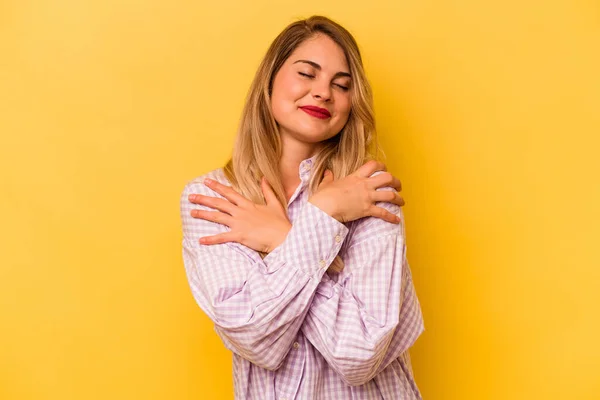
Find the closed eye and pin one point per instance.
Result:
(342, 87)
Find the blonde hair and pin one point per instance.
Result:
(257, 150)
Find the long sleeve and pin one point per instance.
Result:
(257, 305)
(371, 315)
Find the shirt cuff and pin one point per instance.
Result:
(313, 242)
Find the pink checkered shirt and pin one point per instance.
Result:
(295, 330)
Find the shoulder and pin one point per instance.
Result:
(197, 227)
(197, 186)
(373, 227)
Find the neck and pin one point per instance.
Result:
(293, 154)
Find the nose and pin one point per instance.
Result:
(322, 91)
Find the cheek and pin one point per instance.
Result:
(287, 89)
(344, 107)
(278, 97)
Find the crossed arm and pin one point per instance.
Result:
(259, 305)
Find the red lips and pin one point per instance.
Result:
(317, 112)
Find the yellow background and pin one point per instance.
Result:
(489, 113)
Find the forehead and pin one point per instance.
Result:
(322, 50)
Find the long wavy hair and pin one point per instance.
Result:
(258, 148)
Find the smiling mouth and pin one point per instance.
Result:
(316, 112)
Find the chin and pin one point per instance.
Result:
(312, 135)
(309, 132)
(311, 138)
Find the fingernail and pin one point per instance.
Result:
(208, 181)
(398, 219)
(192, 197)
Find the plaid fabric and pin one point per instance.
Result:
(296, 331)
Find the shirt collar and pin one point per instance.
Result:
(306, 168)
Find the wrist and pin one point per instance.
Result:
(326, 206)
(282, 234)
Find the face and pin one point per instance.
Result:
(310, 97)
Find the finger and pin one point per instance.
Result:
(380, 212)
(218, 239)
(213, 216)
(369, 168)
(388, 196)
(226, 191)
(213, 202)
(268, 192)
(327, 178)
(385, 179)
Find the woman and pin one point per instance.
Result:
(295, 249)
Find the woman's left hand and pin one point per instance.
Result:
(259, 227)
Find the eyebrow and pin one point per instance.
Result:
(318, 67)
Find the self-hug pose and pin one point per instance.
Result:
(296, 248)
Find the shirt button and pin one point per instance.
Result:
(322, 263)
(338, 238)
(296, 345)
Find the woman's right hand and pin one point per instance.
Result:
(355, 195)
